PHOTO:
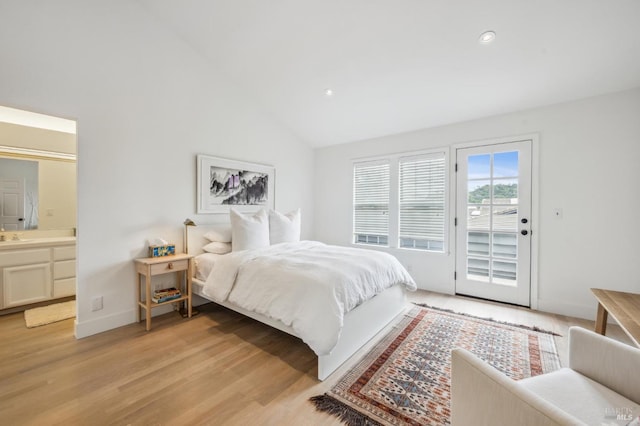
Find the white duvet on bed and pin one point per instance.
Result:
(307, 285)
(204, 264)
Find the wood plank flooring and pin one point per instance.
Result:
(215, 368)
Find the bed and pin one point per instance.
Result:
(246, 283)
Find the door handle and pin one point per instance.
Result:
(524, 232)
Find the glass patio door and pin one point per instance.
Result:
(493, 216)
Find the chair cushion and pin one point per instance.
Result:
(581, 397)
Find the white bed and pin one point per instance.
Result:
(359, 324)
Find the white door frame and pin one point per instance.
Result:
(535, 205)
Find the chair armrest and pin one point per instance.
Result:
(481, 395)
(611, 363)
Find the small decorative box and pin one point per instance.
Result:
(165, 250)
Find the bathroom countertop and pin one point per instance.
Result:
(36, 242)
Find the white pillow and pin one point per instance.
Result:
(284, 228)
(249, 232)
(219, 233)
(217, 247)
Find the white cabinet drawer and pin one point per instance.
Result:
(22, 285)
(66, 287)
(64, 269)
(24, 257)
(64, 253)
(173, 266)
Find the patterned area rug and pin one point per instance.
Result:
(405, 379)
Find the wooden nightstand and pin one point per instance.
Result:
(150, 266)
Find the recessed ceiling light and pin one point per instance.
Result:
(328, 92)
(487, 37)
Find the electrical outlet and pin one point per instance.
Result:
(96, 303)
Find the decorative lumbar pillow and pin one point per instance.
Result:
(284, 228)
(249, 232)
(217, 247)
(219, 233)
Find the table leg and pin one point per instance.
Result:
(148, 298)
(601, 320)
(138, 298)
(189, 288)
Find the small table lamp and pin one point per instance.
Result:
(187, 222)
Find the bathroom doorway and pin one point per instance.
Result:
(38, 172)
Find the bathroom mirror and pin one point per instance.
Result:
(37, 172)
(18, 194)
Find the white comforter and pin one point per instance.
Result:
(308, 285)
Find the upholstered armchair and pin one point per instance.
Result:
(601, 386)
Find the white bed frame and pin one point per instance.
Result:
(360, 325)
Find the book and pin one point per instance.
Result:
(166, 290)
(166, 298)
(169, 293)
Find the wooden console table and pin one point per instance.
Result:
(623, 307)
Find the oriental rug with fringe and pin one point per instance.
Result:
(405, 378)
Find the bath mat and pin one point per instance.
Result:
(51, 313)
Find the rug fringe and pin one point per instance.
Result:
(526, 327)
(346, 414)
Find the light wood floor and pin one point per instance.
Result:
(216, 368)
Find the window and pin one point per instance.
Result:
(371, 203)
(400, 201)
(421, 207)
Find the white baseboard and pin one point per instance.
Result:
(437, 289)
(587, 312)
(109, 322)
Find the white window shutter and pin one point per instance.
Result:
(371, 202)
(422, 202)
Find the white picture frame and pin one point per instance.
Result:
(224, 183)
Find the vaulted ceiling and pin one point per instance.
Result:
(401, 65)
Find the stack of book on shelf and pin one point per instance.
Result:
(166, 294)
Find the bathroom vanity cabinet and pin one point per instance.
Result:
(37, 270)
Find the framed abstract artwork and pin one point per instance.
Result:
(223, 183)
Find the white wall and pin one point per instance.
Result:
(588, 166)
(146, 105)
(57, 204)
